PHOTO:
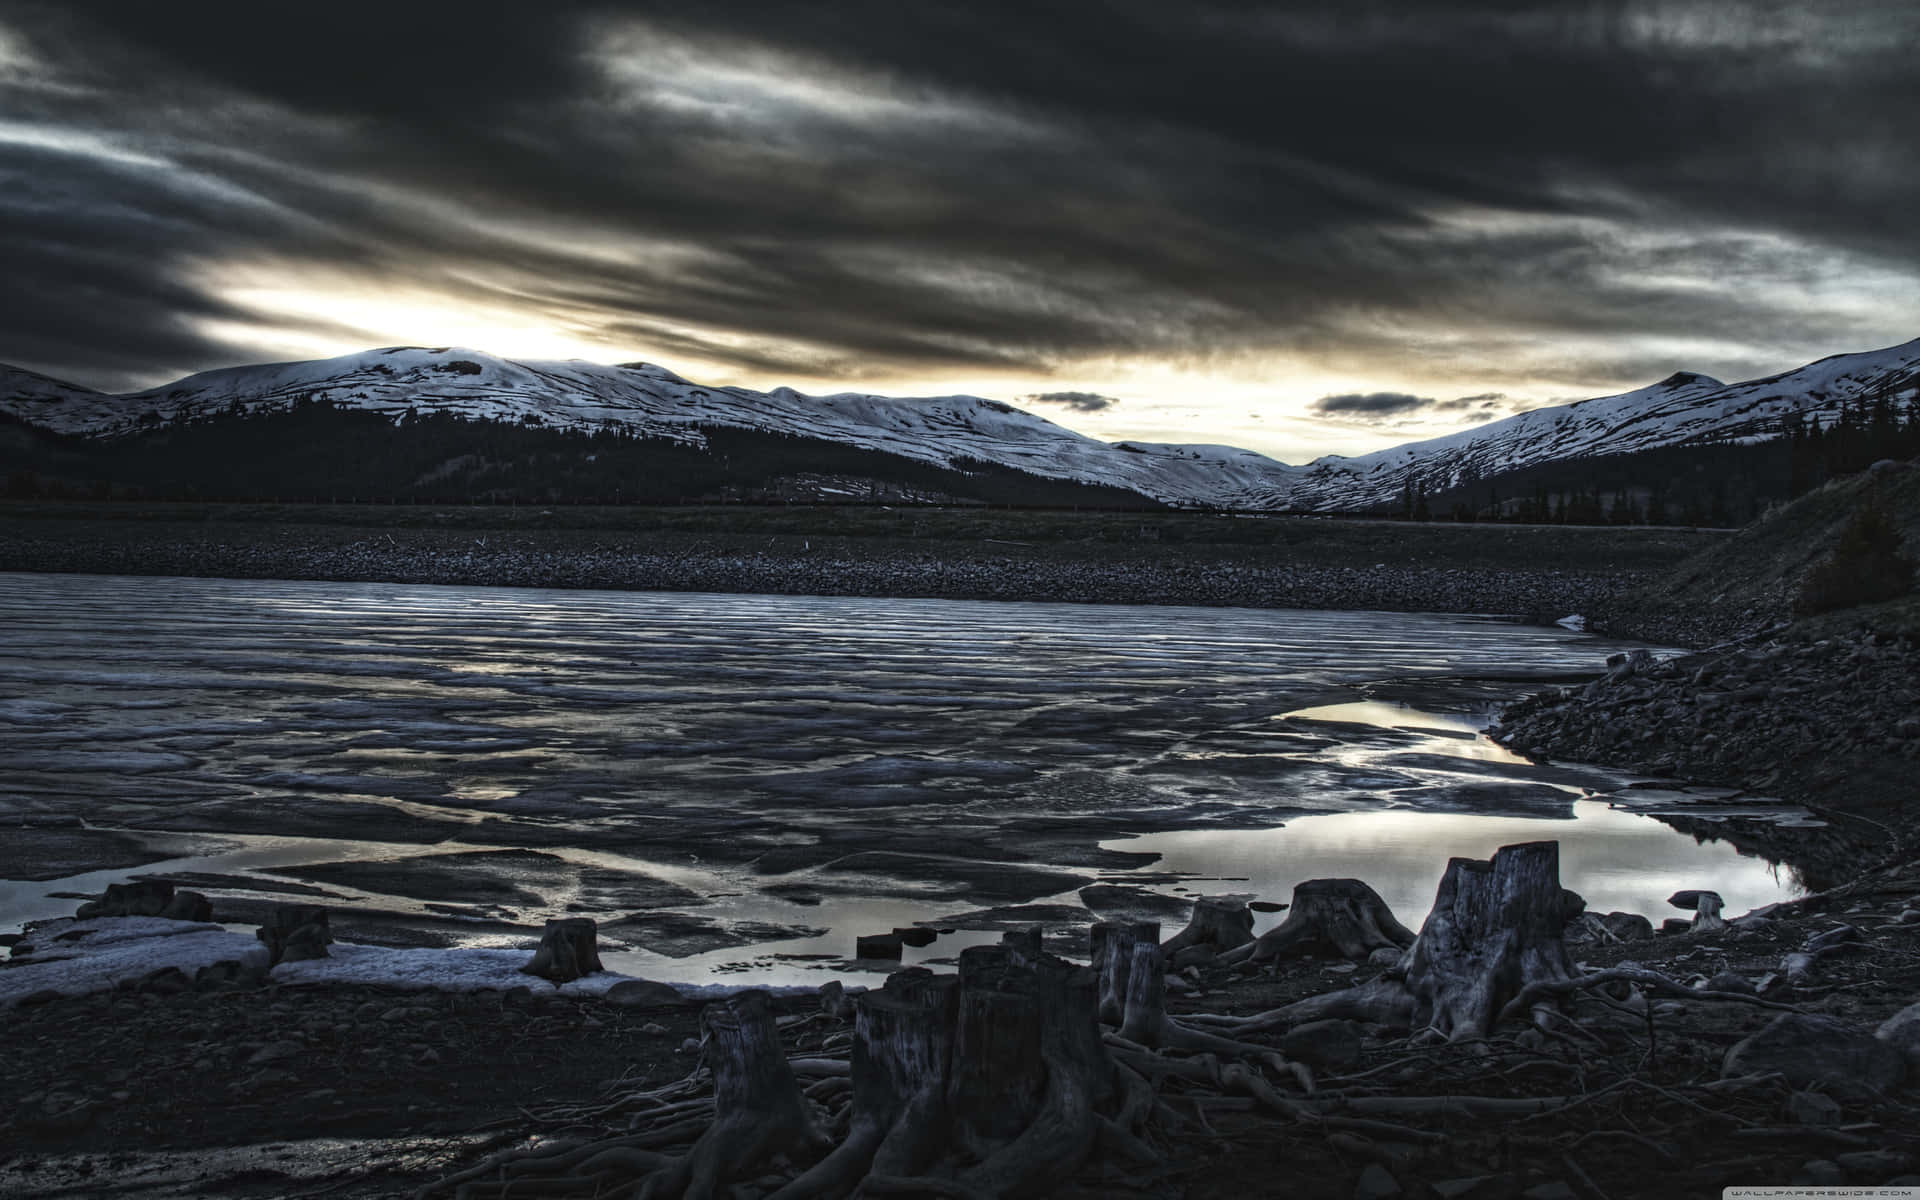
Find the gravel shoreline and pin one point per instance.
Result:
(1212, 576)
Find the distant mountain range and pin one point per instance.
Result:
(840, 445)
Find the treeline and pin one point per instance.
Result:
(1720, 483)
(315, 451)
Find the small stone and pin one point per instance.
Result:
(689, 1046)
(1815, 1050)
(1384, 956)
(654, 1029)
(1453, 1189)
(1902, 1032)
(1376, 1183)
(1813, 1108)
(121, 1097)
(1872, 1164)
(1821, 1173)
(1727, 981)
(274, 1053)
(428, 1057)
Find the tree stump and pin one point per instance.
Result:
(991, 1084)
(569, 949)
(1494, 929)
(1217, 922)
(758, 1109)
(295, 933)
(1029, 1069)
(140, 898)
(1113, 943)
(1341, 916)
(188, 906)
(902, 1061)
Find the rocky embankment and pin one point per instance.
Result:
(1832, 722)
(990, 570)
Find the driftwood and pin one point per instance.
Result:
(1328, 916)
(569, 949)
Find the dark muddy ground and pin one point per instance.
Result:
(357, 1092)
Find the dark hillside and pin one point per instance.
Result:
(1750, 580)
(318, 452)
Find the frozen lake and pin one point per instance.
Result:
(738, 785)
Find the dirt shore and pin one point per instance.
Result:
(1105, 558)
(359, 1092)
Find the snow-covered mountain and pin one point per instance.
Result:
(651, 401)
(1683, 408)
(957, 432)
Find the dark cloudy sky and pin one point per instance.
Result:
(1299, 228)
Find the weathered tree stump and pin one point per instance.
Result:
(569, 949)
(834, 1001)
(1340, 916)
(1146, 1023)
(902, 1060)
(995, 1083)
(1112, 962)
(295, 933)
(188, 906)
(758, 1109)
(1494, 934)
(1217, 922)
(992, 1083)
(139, 898)
(1494, 930)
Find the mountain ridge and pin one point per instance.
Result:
(951, 432)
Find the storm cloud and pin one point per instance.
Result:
(1086, 402)
(1371, 404)
(1561, 199)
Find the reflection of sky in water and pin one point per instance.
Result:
(1617, 860)
(681, 737)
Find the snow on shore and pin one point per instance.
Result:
(77, 958)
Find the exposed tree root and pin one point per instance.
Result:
(1000, 1082)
